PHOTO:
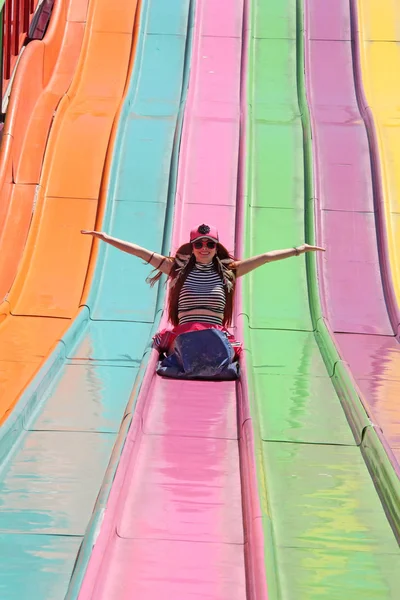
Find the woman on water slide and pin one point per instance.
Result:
(202, 277)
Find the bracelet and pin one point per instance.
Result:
(149, 261)
(161, 263)
(296, 251)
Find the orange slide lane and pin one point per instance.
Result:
(43, 76)
(47, 291)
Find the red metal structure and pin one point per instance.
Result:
(16, 16)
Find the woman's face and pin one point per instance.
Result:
(204, 253)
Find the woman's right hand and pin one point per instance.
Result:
(97, 234)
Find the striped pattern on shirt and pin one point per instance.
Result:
(203, 289)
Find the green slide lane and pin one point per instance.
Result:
(326, 532)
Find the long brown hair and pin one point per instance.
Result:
(182, 263)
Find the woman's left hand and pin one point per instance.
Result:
(307, 248)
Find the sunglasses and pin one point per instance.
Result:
(198, 245)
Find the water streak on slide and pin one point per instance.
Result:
(182, 457)
(320, 501)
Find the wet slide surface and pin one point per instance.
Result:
(47, 290)
(376, 360)
(106, 364)
(45, 505)
(328, 533)
(174, 523)
(352, 287)
(347, 222)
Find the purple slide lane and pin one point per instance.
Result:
(350, 279)
(182, 517)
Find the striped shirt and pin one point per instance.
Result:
(202, 291)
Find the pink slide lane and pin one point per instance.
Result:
(182, 518)
(351, 282)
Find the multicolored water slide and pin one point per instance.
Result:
(48, 286)
(135, 518)
(174, 521)
(357, 299)
(325, 531)
(50, 477)
(320, 497)
(43, 76)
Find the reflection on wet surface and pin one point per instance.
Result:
(375, 363)
(286, 352)
(317, 573)
(301, 409)
(37, 566)
(41, 489)
(181, 495)
(324, 498)
(87, 398)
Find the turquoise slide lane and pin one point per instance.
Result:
(72, 411)
(326, 533)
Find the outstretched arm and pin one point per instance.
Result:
(158, 261)
(249, 264)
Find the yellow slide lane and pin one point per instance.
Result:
(379, 41)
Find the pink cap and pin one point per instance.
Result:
(204, 231)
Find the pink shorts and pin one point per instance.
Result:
(163, 340)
